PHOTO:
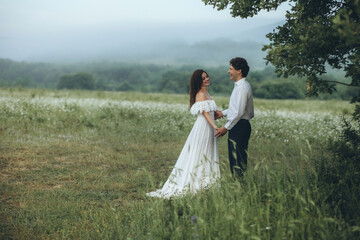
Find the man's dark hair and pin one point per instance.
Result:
(240, 63)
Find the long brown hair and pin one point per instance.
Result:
(195, 84)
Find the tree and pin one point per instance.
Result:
(283, 90)
(23, 82)
(77, 81)
(175, 81)
(125, 86)
(316, 33)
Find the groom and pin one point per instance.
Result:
(240, 111)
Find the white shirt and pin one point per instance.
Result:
(241, 104)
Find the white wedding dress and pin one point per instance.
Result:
(198, 164)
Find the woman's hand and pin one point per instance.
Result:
(220, 132)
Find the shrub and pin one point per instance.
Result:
(77, 81)
(339, 175)
(285, 90)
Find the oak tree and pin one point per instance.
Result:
(316, 34)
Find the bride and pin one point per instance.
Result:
(198, 164)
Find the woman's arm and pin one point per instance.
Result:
(201, 97)
(209, 119)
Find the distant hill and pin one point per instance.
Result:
(202, 44)
(208, 53)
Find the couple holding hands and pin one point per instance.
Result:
(198, 164)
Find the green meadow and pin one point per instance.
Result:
(77, 165)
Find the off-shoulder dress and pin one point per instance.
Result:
(198, 164)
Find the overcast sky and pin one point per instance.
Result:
(40, 29)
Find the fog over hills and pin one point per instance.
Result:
(211, 53)
(202, 44)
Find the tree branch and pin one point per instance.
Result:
(346, 84)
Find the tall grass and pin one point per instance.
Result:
(77, 165)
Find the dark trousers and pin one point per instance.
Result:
(238, 142)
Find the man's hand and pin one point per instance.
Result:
(220, 132)
(218, 114)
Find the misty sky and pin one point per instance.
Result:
(40, 30)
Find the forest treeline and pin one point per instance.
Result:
(120, 76)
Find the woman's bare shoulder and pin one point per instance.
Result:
(200, 96)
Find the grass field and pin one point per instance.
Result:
(77, 165)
